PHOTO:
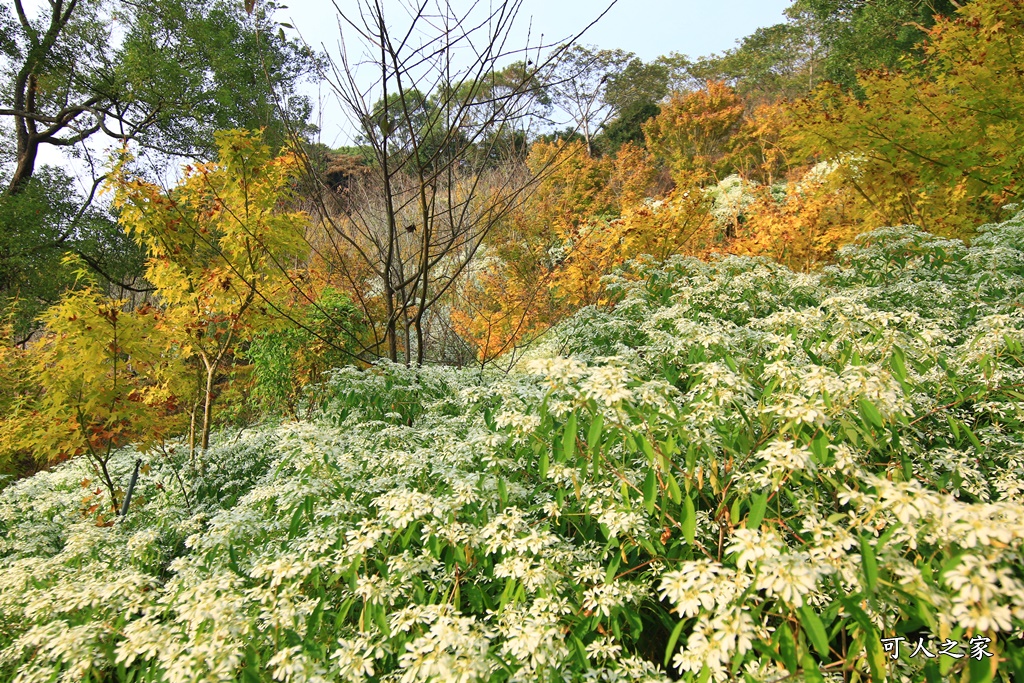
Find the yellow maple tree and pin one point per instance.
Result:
(221, 248)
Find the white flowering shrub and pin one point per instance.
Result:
(730, 198)
(738, 473)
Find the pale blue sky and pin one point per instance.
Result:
(648, 28)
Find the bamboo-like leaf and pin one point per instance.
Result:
(672, 640)
(871, 413)
(689, 520)
(758, 505)
(814, 629)
(569, 438)
(898, 363)
(650, 491)
(812, 674)
(868, 562)
(673, 488)
(594, 433)
(787, 647)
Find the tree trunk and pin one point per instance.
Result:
(408, 339)
(391, 332)
(107, 481)
(25, 129)
(25, 168)
(207, 406)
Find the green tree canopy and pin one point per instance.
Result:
(171, 73)
(822, 40)
(164, 75)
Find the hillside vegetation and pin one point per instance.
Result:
(739, 471)
(568, 367)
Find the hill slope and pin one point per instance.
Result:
(759, 471)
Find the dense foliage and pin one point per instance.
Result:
(737, 471)
(719, 426)
(937, 145)
(79, 75)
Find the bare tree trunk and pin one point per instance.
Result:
(101, 465)
(406, 325)
(207, 406)
(192, 433)
(429, 124)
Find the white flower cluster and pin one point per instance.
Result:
(766, 469)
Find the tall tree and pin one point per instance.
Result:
(78, 74)
(219, 252)
(442, 108)
(38, 226)
(166, 74)
(579, 86)
(99, 379)
(638, 83)
(939, 144)
(822, 40)
(856, 35)
(694, 130)
(633, 94)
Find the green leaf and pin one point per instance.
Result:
(406, 538)
(569, 438)
(293, 528)
(689, 520)
(815, 630)
(650, 491)
(953, 427)
(380, 617)
(876, 657)
(506, 595)
(343, 611)
(758, 505)
(819, 447)
(868, 562)
(1015, 656)
(691, 457)
(872, 641)
(253, 666)
(594, 433)
(981, 670)
(787, 647)
(898, 363)
(581, 649)
(870, 412)
(972, 437)
(673, 488)
(648, 449)
(812, 674)
(543, 464)
(233, 560)
(613, 567)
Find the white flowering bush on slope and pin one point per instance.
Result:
(738, 473)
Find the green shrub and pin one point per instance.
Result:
(287, 361)
(738, 473)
